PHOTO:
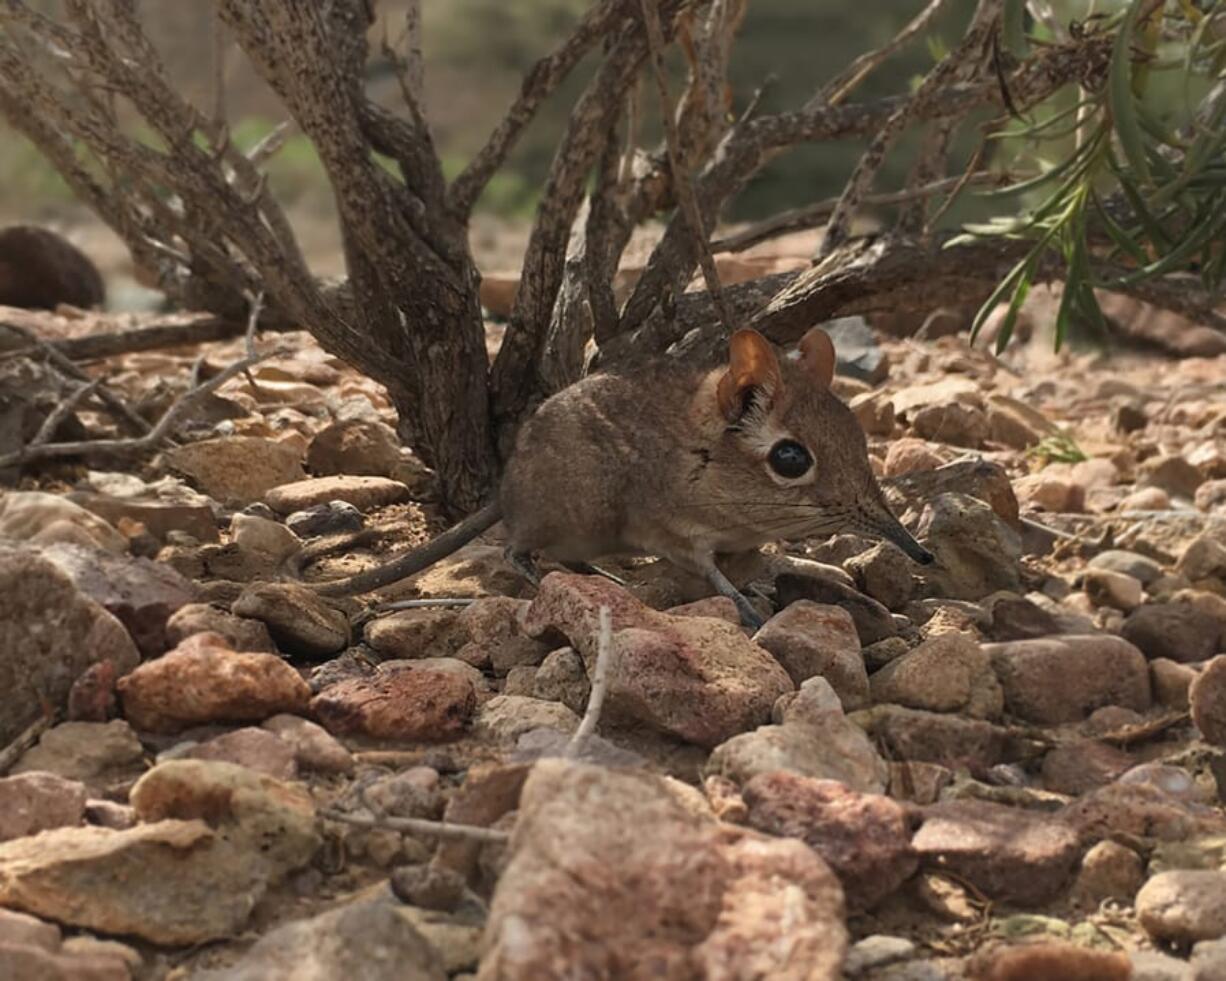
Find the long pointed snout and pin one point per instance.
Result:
(891, 529)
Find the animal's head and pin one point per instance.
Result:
(792, 452)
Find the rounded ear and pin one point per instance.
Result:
(817, 356)
(751, 364)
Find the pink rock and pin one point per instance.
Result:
(28, 931)
(1092, 670)
(364, 493)
(934, 737)
(496, 636)
(256, 749)
(314, 747)
(814, 639)
(1050, 493)
(864, 837)
(716, 607)
(1146, 499)
(203, 681)
(240, 633)
(584, 887)
(1009, 854)
(418, 704)
(909, 455)
(33, 802)
(92, 696)
(698, 678)
(1176, 631)
(24, 962)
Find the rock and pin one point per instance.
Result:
(33, 802)
(50, 633)
(504, 718)
(1203, 558)
(977, 553)
(427, 705)
(92, 696)
(954, 422)
(865, 838)
(1208, 960)
(313, 746)
(1093, 670)
(1048, 492)
(354, 446)
(1113, 589)
(410, 793)
(1183, 905)
(1013, 617)
(873, 621)
(1171, 682)
(108, 814)
(159, 517)
(829, 747)
(370, 940)
(141, 594)
(815, 698)
(236, 469)
(1065, 961)
(1173, 474)
(1145, 499)
(41, 519)
(299, 619)
(409, 634)
(859, 354)
(884, 573)
(265, 537)
(910, 456)
(875, 413)
(94, 753)
(1139, 809)
(813, 640)
(697, 678)
(27, 931)
(946, 673)
(563, 678)
(37, 964)
(239, 633)
(256, 749)
(1015, 424)
(876, 951)
(1150, 965)
(493, 626)
(1109, 870)
(982, 479)
(364, 493)
(1207, 696)
(585, 888)
(1139, 567)
(1211, 495)
(40, 269)
(1010, 855)
(932, 737)
(331, 518)
(203, 681)
(1175, 631)
(522, 681)
(1074, 768)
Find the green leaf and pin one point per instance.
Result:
(1121, 96)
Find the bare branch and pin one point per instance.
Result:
(419, 826)
(682, 185)
(846, 81)
(540, 82)
(62, 411)
(164, 428)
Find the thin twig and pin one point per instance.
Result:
(57, 358)
(164, 428)
(682, 185)
(420, 826)
(798, 219)
(11, 753)
(600, 684)
(419, 604)
(846, 81)
(62, 411)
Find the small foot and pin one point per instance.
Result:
(749, 616)
(524, 564)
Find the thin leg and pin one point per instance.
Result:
(749, 616)
(524, 564)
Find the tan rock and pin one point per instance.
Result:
(236, 469)
(364, 493)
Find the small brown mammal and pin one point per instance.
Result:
(684, 463)
(39, 270)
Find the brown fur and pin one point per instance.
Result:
(1051, 962)
(673, 462)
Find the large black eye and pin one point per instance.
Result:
(789, 459)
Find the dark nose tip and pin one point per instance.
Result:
(923, 556)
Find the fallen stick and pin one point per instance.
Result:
(420, 826)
